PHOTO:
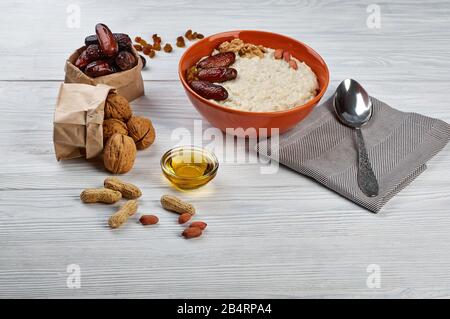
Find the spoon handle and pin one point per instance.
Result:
(366, 178)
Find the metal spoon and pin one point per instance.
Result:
(354, 109)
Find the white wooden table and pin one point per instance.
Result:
(275, 236)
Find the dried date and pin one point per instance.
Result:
(125, 60)
(123, 41)
(209, 90)
(99, 68)
(224, 59)
(218, 74)
(144, 61)
(106, 40)
(91, 53)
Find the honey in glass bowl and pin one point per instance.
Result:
(189, 167)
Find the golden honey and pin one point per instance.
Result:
(189, 167)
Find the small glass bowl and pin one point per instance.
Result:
(189, 167)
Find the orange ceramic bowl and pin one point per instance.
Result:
(224, 117)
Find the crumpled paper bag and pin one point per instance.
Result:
(128, 83)
(77, 125)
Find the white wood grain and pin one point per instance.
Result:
(269, 235)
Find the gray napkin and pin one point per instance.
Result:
(398, 144)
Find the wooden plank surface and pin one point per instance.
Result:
(270, 235)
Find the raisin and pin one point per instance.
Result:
(167, 48)
(157, 46)
(156, 38)
(147, 49)
(180, 42)
(200, 36)
(188, 34)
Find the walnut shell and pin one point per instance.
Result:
(112, 126)
(141, 131)
(119, 154)
(117, 107)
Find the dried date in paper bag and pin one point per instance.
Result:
(77, 125)
(128, 83)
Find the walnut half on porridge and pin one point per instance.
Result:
(245, 50)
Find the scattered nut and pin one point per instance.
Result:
(184, 218)
(278, 54)
(250, 50)
(192, 232)
(138, 47)
(176, 205)
(121, 216)
(141, 131)
(127, 190)
(233, 46)
(293, 64)
(100, 195)
(191, 74)
(113, 126)
(117, 107)
(199, 224)
(149, 219)
(200, 36)
(119, 154)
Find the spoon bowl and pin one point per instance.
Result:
(354, 109)
(352, 104)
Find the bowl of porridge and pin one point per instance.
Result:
(252, 82)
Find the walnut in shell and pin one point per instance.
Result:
(119, 154)
(141, 131)
(117, 107)
(112, 126)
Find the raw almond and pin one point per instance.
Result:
(184, 218)
(149, 219)
(192, 232)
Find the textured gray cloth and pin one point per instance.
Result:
(398, 144)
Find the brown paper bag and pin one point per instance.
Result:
(128, 83)
(77, 125)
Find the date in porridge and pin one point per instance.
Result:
(253, 78)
